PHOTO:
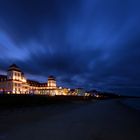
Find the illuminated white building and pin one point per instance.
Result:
(16, 83)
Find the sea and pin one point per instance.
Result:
(133, 103)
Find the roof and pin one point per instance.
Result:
(3, 77)
(51, 77)
(36, 83)
(32, 81)
(14, 67)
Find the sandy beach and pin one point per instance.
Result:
(96, 120)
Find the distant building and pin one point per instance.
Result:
(78, 92)
(16, 83)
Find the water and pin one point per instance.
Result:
(133, 103)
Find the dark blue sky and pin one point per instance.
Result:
(84, 43)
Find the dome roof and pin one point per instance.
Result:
(14, 67)
(51, 77)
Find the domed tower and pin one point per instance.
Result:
(51, 82)
(14, 77)
(14, 72)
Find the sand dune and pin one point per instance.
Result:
(100, 120)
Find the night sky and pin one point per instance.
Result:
(93, 44)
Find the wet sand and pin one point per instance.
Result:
(100, 120)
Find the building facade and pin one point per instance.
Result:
(16, 83)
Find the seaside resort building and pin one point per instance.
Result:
(16, 83)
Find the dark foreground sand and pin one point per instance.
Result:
(100, 120)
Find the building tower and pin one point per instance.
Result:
(14, 79)
(14, 72)
(51, 82)
(51, 86)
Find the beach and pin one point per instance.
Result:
(94, 120)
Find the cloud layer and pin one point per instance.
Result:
(84, 43)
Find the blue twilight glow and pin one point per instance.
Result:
(84, 43)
